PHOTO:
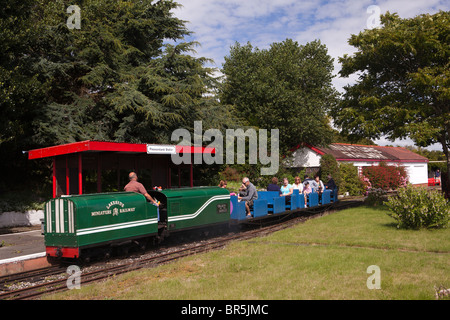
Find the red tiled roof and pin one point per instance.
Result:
(357, 152)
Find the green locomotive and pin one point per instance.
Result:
(84, 225)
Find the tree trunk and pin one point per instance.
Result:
(445, 185)
(447, 177)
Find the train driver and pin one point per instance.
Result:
(135, 186)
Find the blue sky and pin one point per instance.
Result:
(218, 24)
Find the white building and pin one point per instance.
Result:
(362, 156)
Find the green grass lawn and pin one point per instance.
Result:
(324, 258)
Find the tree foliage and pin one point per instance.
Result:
(350, 180)
(286, 87)
(329, 166)
(403, 87)
(126, 75)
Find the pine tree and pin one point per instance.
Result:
(115, 78)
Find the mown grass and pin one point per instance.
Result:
(367, 227)
(325, 258)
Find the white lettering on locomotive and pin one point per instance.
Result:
(113, 203)
(114, 211)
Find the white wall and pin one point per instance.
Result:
(417, 171)
(17, 219)
(304, 157)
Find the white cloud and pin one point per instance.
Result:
(405, 142)
(218, 24)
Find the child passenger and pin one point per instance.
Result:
(306, 190)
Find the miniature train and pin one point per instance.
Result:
(83, 226)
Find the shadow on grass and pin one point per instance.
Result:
(392, 225)
(383, 209)
(380, 207)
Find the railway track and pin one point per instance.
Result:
(33, 284)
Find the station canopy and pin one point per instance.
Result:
(100, 166)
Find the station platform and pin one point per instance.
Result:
(22, 251)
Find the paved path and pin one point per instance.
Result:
(21, 244)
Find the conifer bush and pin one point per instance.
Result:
(350, 181)
(329, 166)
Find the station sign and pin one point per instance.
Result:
(161, 149)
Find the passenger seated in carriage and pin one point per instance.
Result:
(242, 190)
(306, 179)
(298, 185)
(274, 185)
(248, 195)
(317, 185)
(223, 183)
(286, 189)
(331, 185)
(306, 190)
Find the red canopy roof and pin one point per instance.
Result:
(85, 146)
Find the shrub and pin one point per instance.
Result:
(350, 181)
(329, 166)
(367, 185)
(415, 208)
(230, 174)
(386, 177)
(376, 197)
(21, 201)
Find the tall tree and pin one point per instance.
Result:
(20, 89)
(95, 74)
(172, 91)
(403, 87)
(286, 87)
(115, 78)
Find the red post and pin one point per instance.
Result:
(80, 174)
(67, 176)
(54, 177)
